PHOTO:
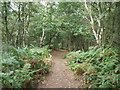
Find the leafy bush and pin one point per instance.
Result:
(19, 66)
(100, 64)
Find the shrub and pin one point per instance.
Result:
(19, 66)
(100, 64)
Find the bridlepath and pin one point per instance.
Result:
(61, 76)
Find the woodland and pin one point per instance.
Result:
(88, 31)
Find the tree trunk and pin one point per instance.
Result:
(42, 37)
(97, 33)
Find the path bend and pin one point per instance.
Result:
(61, 76)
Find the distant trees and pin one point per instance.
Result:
(15, 18)
(67, 25)
(102, 18)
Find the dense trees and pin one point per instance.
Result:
(60, 25)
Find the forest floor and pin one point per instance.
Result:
(61, 76)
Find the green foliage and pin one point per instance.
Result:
(61, 25)
(100, 64)
(17, 78)
(21, 65)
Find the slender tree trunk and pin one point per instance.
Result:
(18, 42)
(69, 41)
(97, 33)
(42, 37)
(6, 23)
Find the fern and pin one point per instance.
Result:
(100, 64)
(20, 65)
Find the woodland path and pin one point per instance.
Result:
(61, 76)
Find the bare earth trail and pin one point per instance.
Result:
(61, 76)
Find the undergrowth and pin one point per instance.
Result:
(100, 65)
(23, 65)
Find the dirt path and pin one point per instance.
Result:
(61, 76)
